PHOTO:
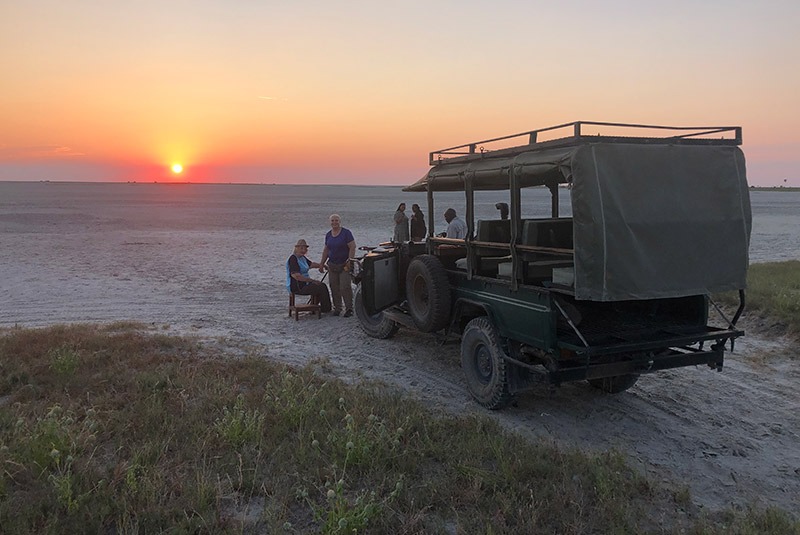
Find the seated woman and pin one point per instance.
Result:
(297, 279)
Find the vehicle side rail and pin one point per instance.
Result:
(447, 241)
(539, 249)
(507, 247)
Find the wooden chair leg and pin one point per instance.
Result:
(312, 306)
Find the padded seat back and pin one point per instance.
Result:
(555, 233)
(493, 230)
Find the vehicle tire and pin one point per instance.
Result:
(616, 384)
(484, 364)
(428, 293)
(377, 326)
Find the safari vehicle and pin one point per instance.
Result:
(660, 220)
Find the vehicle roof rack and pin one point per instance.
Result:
(578, 132)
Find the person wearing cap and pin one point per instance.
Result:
(340, 248)
(298, 281)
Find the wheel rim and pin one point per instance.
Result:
(374, 319)
(482, 358)
(420, 289)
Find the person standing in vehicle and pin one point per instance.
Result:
(400, 224)
(456, 228)
(297, 279)
(503, 207)
(418, 228)
(340, 247)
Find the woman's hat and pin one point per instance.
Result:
(301, 243)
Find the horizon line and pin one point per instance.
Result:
(188, 182)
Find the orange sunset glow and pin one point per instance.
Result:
(360, 93)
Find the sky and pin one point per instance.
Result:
(354, 92)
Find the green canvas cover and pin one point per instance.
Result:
(649, 220)
(659, 220)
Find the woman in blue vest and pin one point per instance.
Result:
(298, 281)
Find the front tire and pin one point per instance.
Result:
(377, 326)
(484, 364)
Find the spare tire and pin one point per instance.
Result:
(428, 293)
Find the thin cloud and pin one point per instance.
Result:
(38, 151)
(66, 151)
(274, 98)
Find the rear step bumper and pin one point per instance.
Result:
(639, 357)
(669, 359)
(653, 341)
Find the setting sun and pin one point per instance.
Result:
(177, 168)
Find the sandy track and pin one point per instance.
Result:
(732, 437)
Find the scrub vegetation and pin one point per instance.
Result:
(773, 293)
(117, 429)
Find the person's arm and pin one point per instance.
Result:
(323, 259)
(462, 230)
(351, 253)
(300, 277)
(351, 245)
(294, 271)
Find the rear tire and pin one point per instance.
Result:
(484, 364)
(428, 293)
(616, 384)
(377, 326)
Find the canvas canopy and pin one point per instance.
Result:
(649, 220)
(531, 168)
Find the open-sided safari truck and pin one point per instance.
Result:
(660, 221)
